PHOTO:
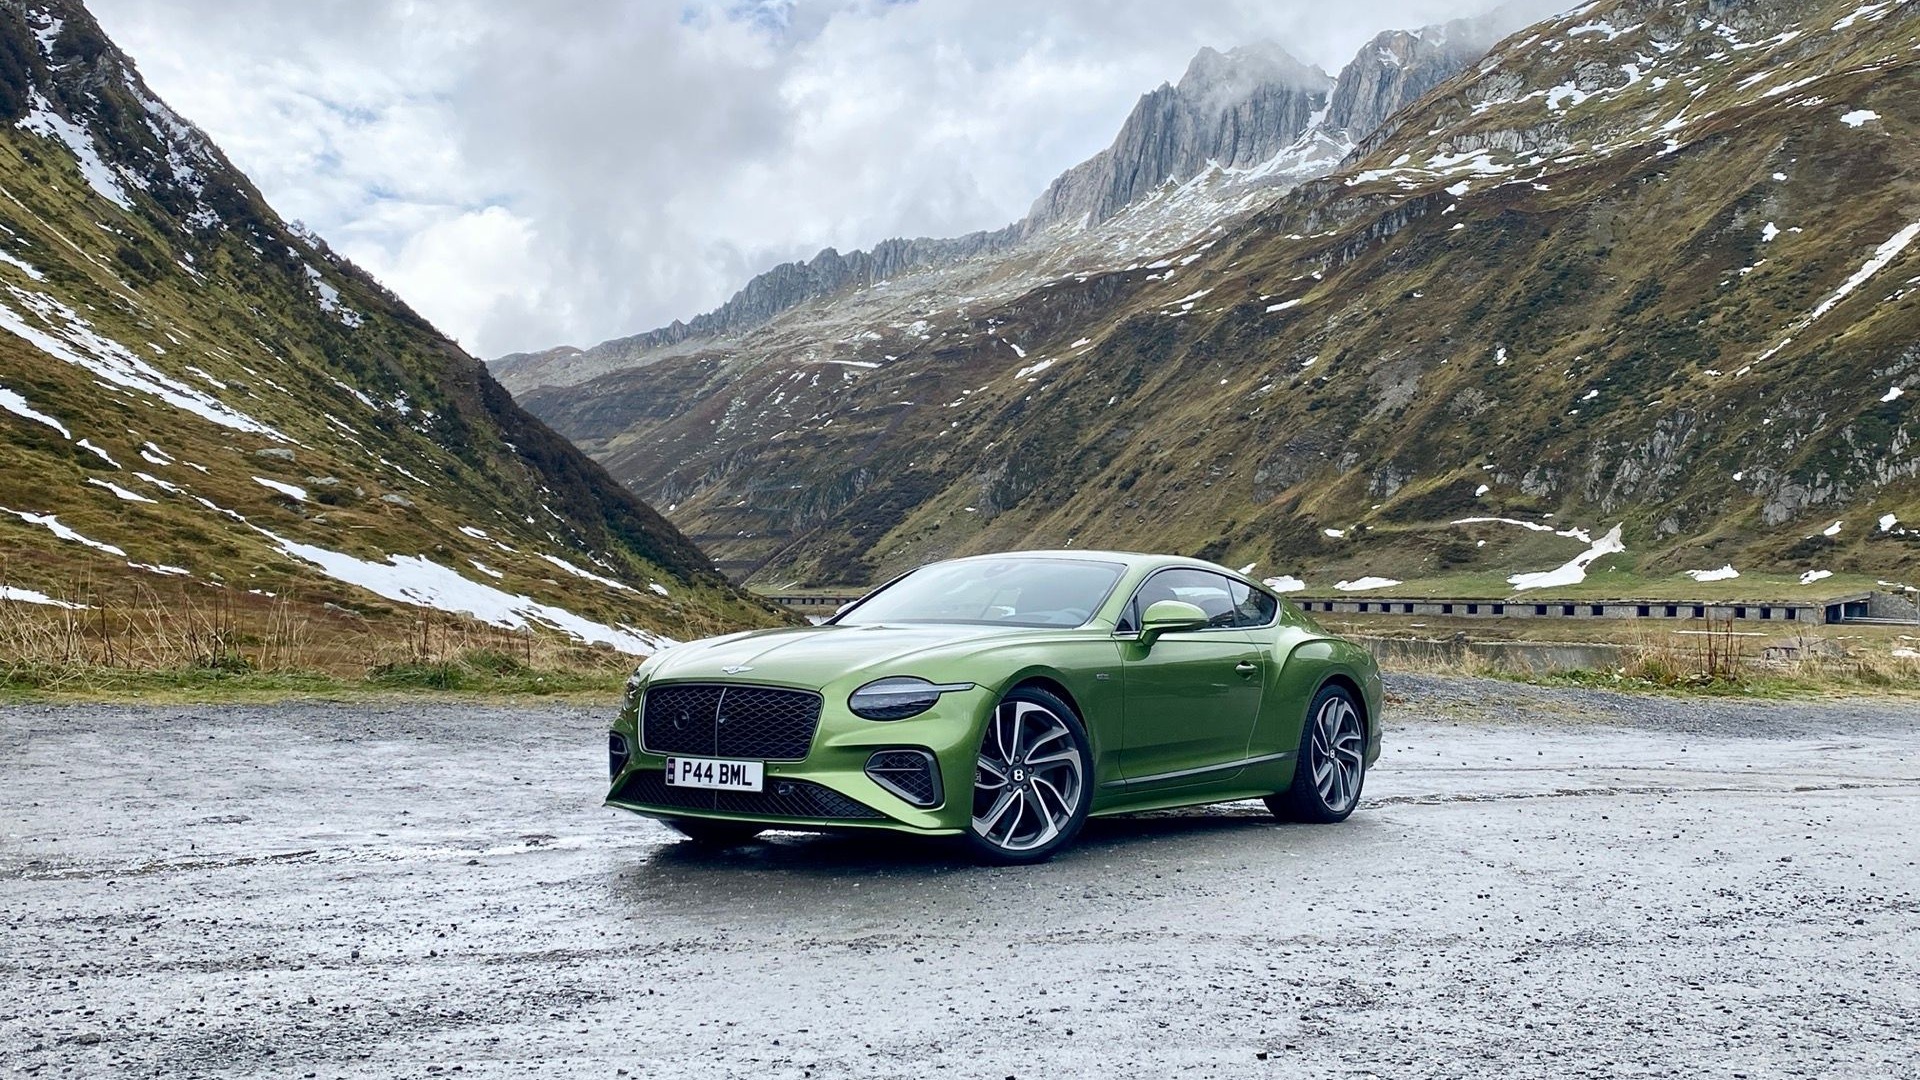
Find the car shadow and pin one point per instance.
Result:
(878, 853)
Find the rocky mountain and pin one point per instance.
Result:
(1235, 130)
(203, 404)
(1236, 110)
(1647, 265)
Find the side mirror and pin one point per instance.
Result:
(1163, 616)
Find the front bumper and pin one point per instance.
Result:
(829, 788)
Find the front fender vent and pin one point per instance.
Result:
(617, 754)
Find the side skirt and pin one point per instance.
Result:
(1199, 775)
(1252, 778)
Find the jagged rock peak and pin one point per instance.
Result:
(1235, 109)
(1398, 67)
(1237, 73)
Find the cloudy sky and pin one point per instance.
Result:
(529, 173)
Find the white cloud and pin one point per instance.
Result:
(531, 174)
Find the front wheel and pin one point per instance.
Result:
(1032, 784)
(1332, 762)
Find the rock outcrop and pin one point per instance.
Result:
(1234, 109)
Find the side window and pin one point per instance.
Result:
(1251, 606)
(1203, 589)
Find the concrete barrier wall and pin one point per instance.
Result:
(1517, 656)
(1793, 612)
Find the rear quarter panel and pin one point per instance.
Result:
(1304, 660)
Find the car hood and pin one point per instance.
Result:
(816, 656)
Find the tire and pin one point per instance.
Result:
(717, 834)
(1331, 765)
(1048, 803)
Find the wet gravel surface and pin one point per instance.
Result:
(1540, 883)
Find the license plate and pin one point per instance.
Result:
(718, 774)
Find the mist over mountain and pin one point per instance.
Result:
(1250, 119)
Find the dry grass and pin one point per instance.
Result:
(1720, 660)
(195, 637)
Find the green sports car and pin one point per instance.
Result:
(1004, 699)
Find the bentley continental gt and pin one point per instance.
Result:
(1004, 699)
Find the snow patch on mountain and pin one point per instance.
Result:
(119, 492)
(587, 575)
(1574, 571)
(41, 119)
(72, 339)
(421, 582)
(330, 298)
(298, 494)
(1365, 584)
(19, 595)
(12, 402)
(51, 523)
(22, 265)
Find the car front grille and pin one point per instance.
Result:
(798, 799)
(910, 774)
(711, 720)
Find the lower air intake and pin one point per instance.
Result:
(913, 775)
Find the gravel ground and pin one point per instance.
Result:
(1541, 882)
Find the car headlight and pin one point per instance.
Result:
(899, 697)
(636, 685)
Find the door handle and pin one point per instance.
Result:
(1246, 667)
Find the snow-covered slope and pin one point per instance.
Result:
(198, 399)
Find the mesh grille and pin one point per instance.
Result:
(730, 721)
(782, 799)
(907, 773)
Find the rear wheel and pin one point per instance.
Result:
(1332, 762)
(1032, 784)
(714, 833)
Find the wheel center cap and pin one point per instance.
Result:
(1019, 776)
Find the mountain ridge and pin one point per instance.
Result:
(1238, 113)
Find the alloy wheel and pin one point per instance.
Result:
(1030, 780)
(1336, 754)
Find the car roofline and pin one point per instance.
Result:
(1133, 560)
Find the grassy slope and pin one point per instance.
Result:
(1379, 400)
(230, 296)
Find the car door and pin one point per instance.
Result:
(1191, 697)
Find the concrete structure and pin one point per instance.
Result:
(1853, 607)
(1814, 611)
(830, 603)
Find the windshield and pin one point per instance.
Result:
(992, 592)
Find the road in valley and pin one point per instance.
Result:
(1540, 883)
